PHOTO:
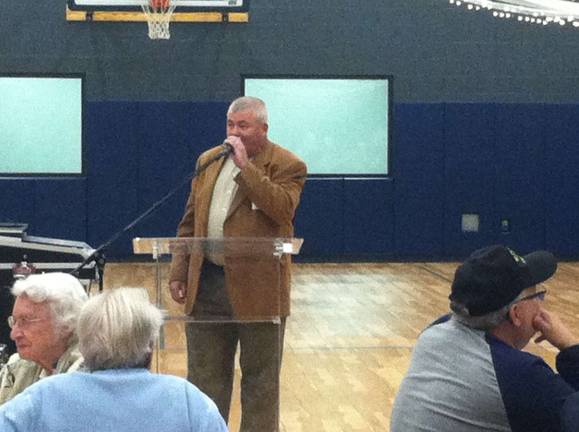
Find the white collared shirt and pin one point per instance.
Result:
(223, 193)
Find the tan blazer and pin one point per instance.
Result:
(264, 206)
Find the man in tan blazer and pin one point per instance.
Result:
(254, 192)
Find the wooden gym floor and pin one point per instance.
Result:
(350, 336)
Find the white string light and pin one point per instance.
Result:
(541, 12)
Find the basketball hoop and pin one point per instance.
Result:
(158, 14)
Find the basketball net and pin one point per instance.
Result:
(158, 14)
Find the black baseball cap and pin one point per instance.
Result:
(494, 276)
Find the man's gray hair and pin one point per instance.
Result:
(249, 103)
(484, 322)
(118, 329)
(63, 293)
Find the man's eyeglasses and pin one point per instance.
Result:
(22, 322)
(540, 295)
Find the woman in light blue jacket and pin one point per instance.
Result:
(117, 332)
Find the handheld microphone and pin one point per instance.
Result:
(227, 150)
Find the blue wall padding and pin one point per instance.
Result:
(368, 217)
(418, 169)
(520, 176)
(320, 218)
(561, 170)
(470, 173)
(60, 208)
(113, 137)
(501, 161)
(174, 135)
(17, 198)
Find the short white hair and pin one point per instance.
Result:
(249, 103)
(487, 321)
(118, 329)
(63, 293)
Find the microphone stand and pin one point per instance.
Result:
(99, 258)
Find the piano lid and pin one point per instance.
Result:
(10, 229)
(46, 254)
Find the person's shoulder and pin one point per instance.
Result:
(72, 360)
(285, 159)
(440, 320)
(14, 358)
(17, 363)
(209, 153)
(513, 358)
(49, 383)
(171, 381)
(282, 152)
(196, 396)
(441, 325)
(170, 378)
(175, 381)
(64, 378)
(447, 328)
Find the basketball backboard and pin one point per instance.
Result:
(186, 10)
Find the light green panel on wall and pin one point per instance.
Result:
(41, 125)
(337, 126)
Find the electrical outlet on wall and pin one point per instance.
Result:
(505, 226)
(470, 222)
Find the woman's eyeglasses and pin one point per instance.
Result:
(23, 322)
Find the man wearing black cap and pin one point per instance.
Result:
(468, 372)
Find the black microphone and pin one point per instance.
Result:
(227, 150)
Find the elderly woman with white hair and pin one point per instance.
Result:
(117, 332)
(43, 326)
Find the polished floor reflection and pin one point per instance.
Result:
(350, 336)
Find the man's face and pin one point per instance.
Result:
(526, 311)
(249, 129)
(34, 333)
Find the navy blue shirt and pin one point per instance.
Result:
(532, 392)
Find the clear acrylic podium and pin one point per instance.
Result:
(255, 270)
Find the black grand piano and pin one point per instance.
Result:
(46, 255)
